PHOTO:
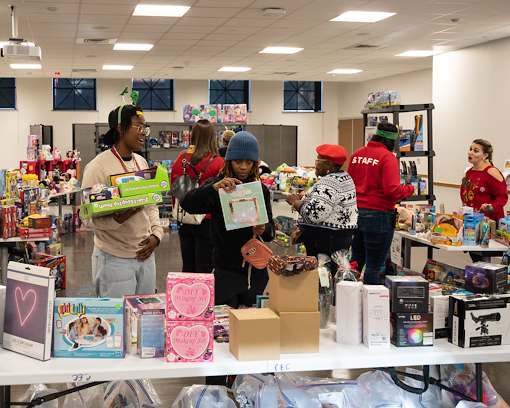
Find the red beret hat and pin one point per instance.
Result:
(334, 153)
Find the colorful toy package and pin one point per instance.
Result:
(190, 296)
(88, 328)
(145, 324)
(448, 229)
(189, 341)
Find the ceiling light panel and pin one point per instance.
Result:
(26, 66)
(345, 71)
(234, 69)
(280, 50)
(118, 67)
(160, 11)
(417, 53)
(362, 16)
(132, 47)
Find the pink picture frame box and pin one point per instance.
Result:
(189, 296)
(189, 341)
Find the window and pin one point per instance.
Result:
(302, 96)
(154, 94)
(74, 94)
(229, 92)
(7, 93)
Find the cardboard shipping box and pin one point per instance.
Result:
(440, 306)
(376, 316)
(299, 332)
(297, 293)
(254, 334)
(349, 313)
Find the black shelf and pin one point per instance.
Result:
(427, 197)
(399, 108)
(164, 149)
(416, 154)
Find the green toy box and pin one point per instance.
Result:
(156, 181)
(107, 207)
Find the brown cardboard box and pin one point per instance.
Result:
(254, 334)
(39, 222)
(299, 332)
(298, 293)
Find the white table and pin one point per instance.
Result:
(4, 253)
(59, 196)
(406, 252)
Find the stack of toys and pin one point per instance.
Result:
(410, 176)
(382, 99)
(170, 139)
(215, 113)
(125, 191)
(503, 231)
(189, 317)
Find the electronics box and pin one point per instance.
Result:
(189, 341)
(484, 277)
(299, 332)
(144, 317)
(107, 207)
(156, 184)
(376, 316)
(349, 313)
(412, 329)
(88, 328)
(440, 307)
(408, 294)
(190, 296)
(255, 334)
(479, 320)
(297, 293)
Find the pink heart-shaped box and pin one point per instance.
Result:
(190, 296)
(189, 342)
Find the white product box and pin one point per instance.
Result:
(439, 306)
(2, 308)
(349, 313)
(376, 316)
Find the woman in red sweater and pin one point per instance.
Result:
(196, 244)
(484, 187)
(375, 172)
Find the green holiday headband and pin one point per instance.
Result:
(386, 134)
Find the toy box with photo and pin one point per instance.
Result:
(412, 329)
(240, 112)
(104, 193)
(29, 299)
(404, 139)
(145, 324)
(190, 296)
(448, 229)
(228, 113)
(472, 230)
(88, 328)
(189, 341)
(102, 208)
(190, 113)
(479, 320)
(484, 277)
(209, 112)
(436, 270)
(154, 180)
(244, 207)
(57, 266)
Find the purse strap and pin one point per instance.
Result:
(199, 175)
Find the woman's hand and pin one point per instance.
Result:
(259, 229)
(486, 207)
(148, 244)
(228, 184)
(122, 217)
(292, 198)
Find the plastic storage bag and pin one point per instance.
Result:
(82, 398)
(203, 396)
(246, 388)
(37, 391)
(132, 394)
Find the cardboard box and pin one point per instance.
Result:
(448, 229)
(190, 296)
(106, 193)
(376, 316)
(349, 313)
(156, 184)
(408, 294)
(297, 293)
(144, 317)
(412, 329)
(39, 222)
(485, 277)
(299, 332)
(254, 334)
(190, 341)
(440, 307)
(107, 207)
(435, 270)
(57, 265)
(34, 232)
(479, 320)
(88, 328)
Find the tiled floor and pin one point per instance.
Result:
(78, 248)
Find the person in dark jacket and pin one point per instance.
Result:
(227, 135)
(232, 279)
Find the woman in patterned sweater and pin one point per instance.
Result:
(328, 213)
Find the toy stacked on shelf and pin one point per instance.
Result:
(410, 176)
(382, 99)
(503, 231)
(189, 317)
(215, 113)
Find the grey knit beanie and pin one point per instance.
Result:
(243, 146)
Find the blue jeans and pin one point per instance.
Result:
(114, 277)
(372, 242)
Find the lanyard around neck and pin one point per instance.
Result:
(117, 155)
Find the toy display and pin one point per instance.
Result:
(190, 296)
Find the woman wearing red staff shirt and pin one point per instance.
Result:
(375, 172)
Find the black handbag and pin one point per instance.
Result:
(183, 184)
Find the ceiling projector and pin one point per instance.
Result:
(21, 51)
